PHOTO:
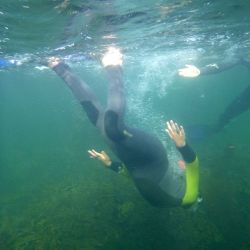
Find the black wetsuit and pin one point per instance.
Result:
(143, 154)
(239, 105)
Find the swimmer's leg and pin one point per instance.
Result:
(82, 92)
(239, 105)
(116, 100)
(113, 117)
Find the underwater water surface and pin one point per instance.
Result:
(52, 195)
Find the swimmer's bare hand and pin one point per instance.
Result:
(53, 61)
(176, 133)
(189, 71)
(101, 156)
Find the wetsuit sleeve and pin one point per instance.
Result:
(115, 166)
(119, 168)
(214, 68)
(192, 183)
(187, 153)
(192, 175)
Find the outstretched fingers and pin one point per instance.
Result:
(169, 130)
(102, 156)
(94, 154)
(173, 128)
(182, 131)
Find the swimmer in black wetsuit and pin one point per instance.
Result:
(143, 154)
(238, 106)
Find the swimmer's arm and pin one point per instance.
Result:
(177, 134)
(213, 68)
(102, 156)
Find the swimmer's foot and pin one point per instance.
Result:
(53, 62)
(113, 57)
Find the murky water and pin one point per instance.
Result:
(52, 196)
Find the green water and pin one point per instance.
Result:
(52, 195)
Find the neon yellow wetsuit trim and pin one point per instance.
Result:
(192, 182)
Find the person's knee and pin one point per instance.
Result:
(111, 126)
